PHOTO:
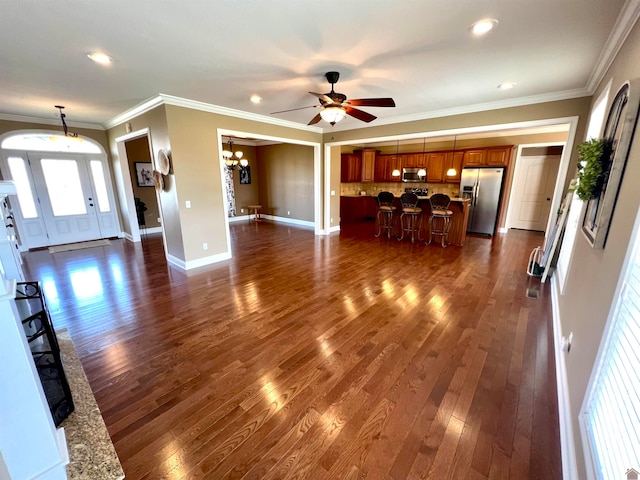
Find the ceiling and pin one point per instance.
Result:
(420, 52)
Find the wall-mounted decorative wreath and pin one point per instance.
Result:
(593, 167)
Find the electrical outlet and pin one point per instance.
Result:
(242, 210)
(159, 220)
(188, 203)
(288, 212)
(331, 219)
(205, 246)
(333, 193)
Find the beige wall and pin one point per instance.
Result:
(138, 151)
(286, 181)
(594, 273)
(155, 121)
(192, 138)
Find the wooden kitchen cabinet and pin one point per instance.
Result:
(414, 160)
(368, 165)
(436, 166)
(489, 157)
(350, 168)
(498, 156)
(454, 160)
(475, 158)
(385, 165)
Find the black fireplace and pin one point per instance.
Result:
(44, 348)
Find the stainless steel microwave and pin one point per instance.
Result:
(413, 174)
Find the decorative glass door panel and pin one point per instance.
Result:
(66, 197)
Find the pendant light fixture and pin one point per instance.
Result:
(422, 173)
(233, 159)
(396, 172)
(67, 133)
(452, 171)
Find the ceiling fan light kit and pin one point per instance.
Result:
(335, 105)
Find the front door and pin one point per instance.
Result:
(533, 189)
(67, 197)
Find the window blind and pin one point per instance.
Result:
(612, 412)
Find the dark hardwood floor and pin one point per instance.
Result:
(337, 357)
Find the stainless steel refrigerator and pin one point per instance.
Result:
(483, 186)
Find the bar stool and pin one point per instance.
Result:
(384, 217)
(440, 219)
(410, 210)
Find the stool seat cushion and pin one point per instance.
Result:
(411, 210)
(442, 212)
(387, 208)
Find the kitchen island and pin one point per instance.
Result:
(357, 209)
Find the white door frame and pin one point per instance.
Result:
(565, 158)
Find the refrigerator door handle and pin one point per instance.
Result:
(476, 189)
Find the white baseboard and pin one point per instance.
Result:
(503, 230)
(150, 230)
(567, 444)
(200, 262)
(273, 218)
(128, 236)
(335, 228)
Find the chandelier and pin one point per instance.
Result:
(233, 159)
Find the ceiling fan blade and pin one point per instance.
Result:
(359, 114)
(315, 120)
(372, 102)
(322, 97)
(294, 109)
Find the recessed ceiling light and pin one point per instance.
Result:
(100, 58)
(506, 85)
(483, 26)
(256, 98)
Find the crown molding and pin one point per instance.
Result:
(624, 24)
(480, 107)
(230, 112)
(133, 112)
(163, 99)
(48, 121)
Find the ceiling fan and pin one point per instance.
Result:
(335, 106)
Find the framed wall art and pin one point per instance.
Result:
(619, 130)
(144, 174)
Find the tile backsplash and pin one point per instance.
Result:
(397, 188)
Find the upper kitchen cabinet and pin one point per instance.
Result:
(499, 156)
(454, 160)
(436, 166)
(350, 168)
(475, 158)
(414, 160)
(368, 165)
(490, 157)
(385, 165)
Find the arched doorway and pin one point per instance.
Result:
(65, 193)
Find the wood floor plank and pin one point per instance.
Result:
(345, 356)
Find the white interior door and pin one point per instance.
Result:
(533, 191)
